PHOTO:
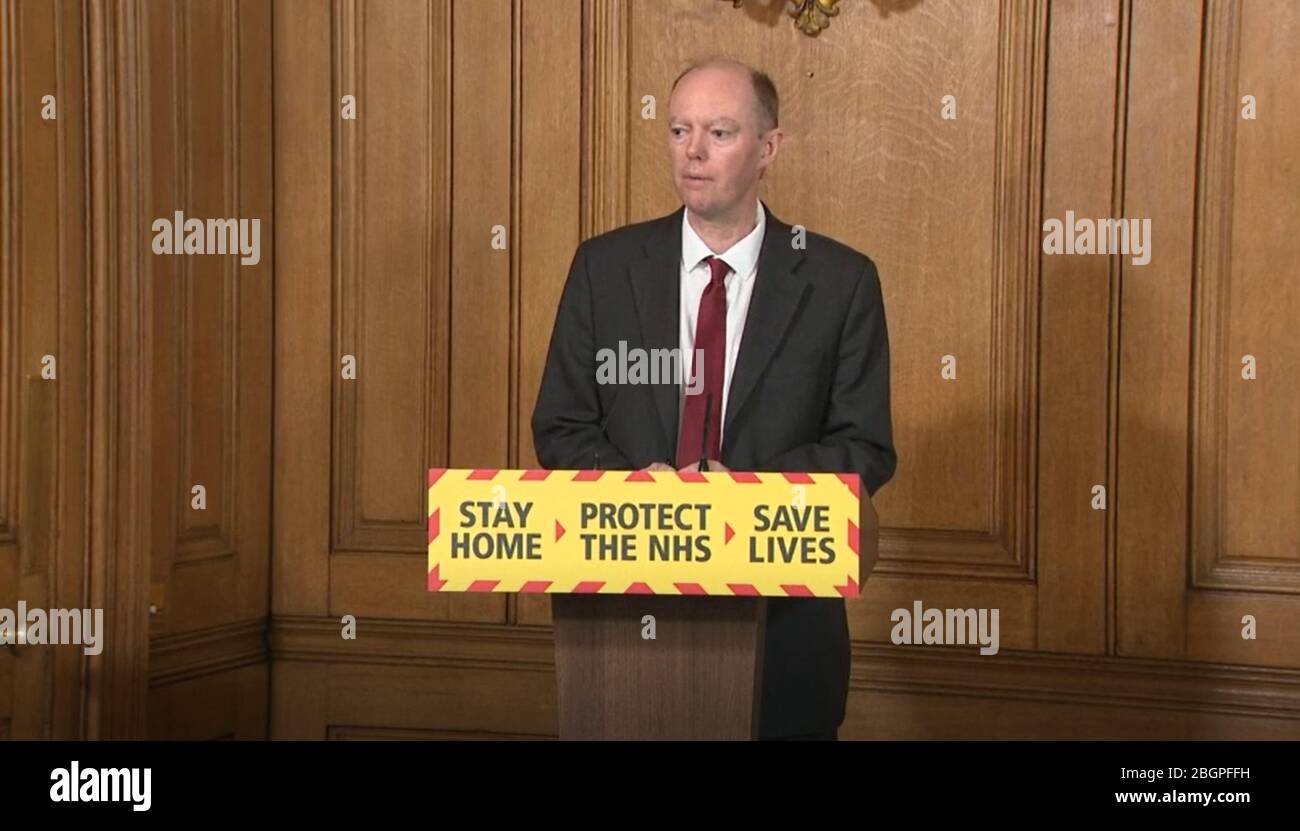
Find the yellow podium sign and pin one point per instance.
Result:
(633, 532)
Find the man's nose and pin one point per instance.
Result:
(695, 147)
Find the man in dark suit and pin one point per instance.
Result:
(783, 333)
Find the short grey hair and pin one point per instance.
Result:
(769, 103)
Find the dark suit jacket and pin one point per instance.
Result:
(810, 392)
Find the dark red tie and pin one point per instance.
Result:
(711, 346)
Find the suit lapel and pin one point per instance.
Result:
(656, 291)
(772, 306)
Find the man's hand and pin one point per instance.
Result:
(653, 466)
(714, 467)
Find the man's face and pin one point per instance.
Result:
(714, 141)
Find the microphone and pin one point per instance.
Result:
(704, 435)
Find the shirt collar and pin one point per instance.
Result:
(742, 256)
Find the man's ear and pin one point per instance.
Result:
(771, 145)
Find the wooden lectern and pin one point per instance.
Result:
(700, 678)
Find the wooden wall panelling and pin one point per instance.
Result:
(459, 680)
(43, 244)
(207, 103)
(210, 684)
(937, 693)
(1214, 293)
(9, 386)
(119, 324)
(396, 269)
(1159, 183)
(549, 160)
(435, 316)
(464, 123)
(1245, 528)
(389, 276)
(305, 363)
(1075, 376)
(482, 420)
(917, 199)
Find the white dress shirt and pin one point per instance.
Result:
(743, 260)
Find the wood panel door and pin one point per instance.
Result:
(1209, 418)
(205, 90)
(424, 226)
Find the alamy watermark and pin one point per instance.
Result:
(647, 366)
(946, 626)
(1129, 237)
(83, 627)
(179, 235)
(77, 784)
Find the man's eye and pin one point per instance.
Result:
(720, 133)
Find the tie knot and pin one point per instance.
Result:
(718, 269)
